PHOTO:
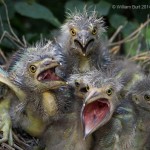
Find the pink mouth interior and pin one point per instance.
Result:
(94, 113)
(48, 75)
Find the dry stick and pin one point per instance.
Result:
(19, 141)
(115, 34)
(129, 38)
(129, 52)
(12, 39)
(3, 35)
(2, 26)
(7, 146)
(7, 17)
(2, 54)
(24, 41)
(146, 62)
(17, 147)
(115, 49)
(142, 56)
(11, 30)
(147, 43)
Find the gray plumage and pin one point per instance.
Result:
(81, 39)
(121, 122)
(39, 99)
(139, 95)
(67, 133)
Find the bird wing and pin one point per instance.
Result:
(4, 79)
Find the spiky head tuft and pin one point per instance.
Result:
(19, 66)
(84, 19)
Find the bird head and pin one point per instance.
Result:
(81, 88)
(83, 32)
(98, 107)
(80, 83)
(100, 93)
(140, 93)
(36, 67)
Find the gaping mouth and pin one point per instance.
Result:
(48, 75)
(94, 114)
(83, 48)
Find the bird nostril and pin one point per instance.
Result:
(84, 89)
(46, 63)
(80, 36)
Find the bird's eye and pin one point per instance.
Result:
(147, 97)
(73, 32)
(109, 91)
(77, 84)
(94, 31)
(33, 68)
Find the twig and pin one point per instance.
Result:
(2, 26)
(17, 147)
(2, 54)
(7, 17)
(19, 141)
(7, 146)
(132, 36)
(115, 50)
(141, 56)
(11, 36)
(115, 34)
(3, 35)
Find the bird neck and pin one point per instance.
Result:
(49, 103)
(84, 64)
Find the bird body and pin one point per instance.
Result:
(139, 95)
(119, 131)
(103, 96)
(33, 81)
(67, 134)
(82, 43)
(128, 129)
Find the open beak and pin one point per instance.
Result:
(48, 72)
(95, 111)
(83, 42)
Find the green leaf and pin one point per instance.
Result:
(148, 33)
(129, 28)
(103, 8)
(36, 11)
(117, 20)
(10, 8)
(131, 47)
(74, 4)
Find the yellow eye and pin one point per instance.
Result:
(94, 31)
(33, 68)
(73, 32)
(147, 97)
(109, 91)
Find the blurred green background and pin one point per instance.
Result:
(40, 18)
